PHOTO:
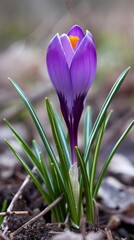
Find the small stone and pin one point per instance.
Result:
(123, 233)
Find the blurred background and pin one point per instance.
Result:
(26, 28)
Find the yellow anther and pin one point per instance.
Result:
(73, 40)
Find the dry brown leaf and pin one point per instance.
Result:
(119, 197)
(75, 236)
(122, 168)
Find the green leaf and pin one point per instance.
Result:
(87, 131)
(24, 146)
(36, 149)
(47, 176)
(50, 181)
(103, 110)
(108, 118)
(4, 207)
(80, 203)
(87, 126)
(29, 171)
(35, 119)
(60, 209)
(58, 134)
(38, 126)
(96, 154)
(44, 168)
(86, 184)
(105, 166)
(34, 160)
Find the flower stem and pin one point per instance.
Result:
(73, 129)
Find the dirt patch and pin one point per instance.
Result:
(32, 202)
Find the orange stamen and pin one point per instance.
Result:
(73, 40)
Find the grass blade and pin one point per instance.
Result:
(96, 154)
(58, 135)
(86, 184)
(60, 208)
(87, 131)
(24, 145)
(103, 110)
(103, 171)
(4, 207)
(87, 126)
(28, 170)
(49, 180)
(35, 160)
(35, 118)
(38, 126)
(44, 167)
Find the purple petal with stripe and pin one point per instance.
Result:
(90, 35)
(66, 44)
(58, 69)
(83, 67)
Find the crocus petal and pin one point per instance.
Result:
(58, 69)
(76, 31)
(90, 35)
(69, 52)
(83, 67)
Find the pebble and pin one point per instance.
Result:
(123, 233)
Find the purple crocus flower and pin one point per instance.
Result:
(71, 63)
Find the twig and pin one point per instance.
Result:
(66, 219)
(56, 233)
(34, 219)
(13, 212)
(108, 234)
(3, 237)
(83, 227)
(11, 206)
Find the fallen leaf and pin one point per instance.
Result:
(119, 197)
(122, 168)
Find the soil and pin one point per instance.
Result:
(44, 228)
